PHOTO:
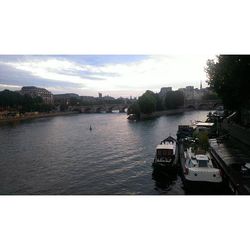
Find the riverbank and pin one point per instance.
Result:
(35, 116)
(161, 113)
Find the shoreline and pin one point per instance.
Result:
(162, 113)
(41, 115)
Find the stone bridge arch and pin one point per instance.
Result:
(110, 108)
(122, 109)
(216, 105)
(191, 107)
(99, 109)
(204, 106)
(87, 110)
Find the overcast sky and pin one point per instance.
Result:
(116, 75)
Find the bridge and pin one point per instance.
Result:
(202, 104)
(107, 108)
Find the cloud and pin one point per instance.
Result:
(109, 74)
(9, 86)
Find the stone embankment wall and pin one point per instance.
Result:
(237, 131)
(160, 113)
(39, 115)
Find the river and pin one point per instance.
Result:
(60, 155)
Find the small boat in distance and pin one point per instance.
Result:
(166, 156)
(132, 117)
(90, 128)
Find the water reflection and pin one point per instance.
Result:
(162, 180)
(61, 156)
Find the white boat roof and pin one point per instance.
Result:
(247, 165)
(204, 124)
(165, 146)
(201, 157)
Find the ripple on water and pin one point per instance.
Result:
(61, 156)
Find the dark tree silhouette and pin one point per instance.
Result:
(229, 76)
(174, 99)
(24, 103)
(134, 109)
(147, 102)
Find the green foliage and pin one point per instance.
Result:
(147, 102)
(134, 109)
(229, 76)
(159, 104)
(203, 141)
(150, 102)
(22, 103)
(10, 99)
(174, 99)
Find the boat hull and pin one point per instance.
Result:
(166, 168)
(202, 187)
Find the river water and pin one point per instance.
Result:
(60, 155)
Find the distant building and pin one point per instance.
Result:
(90, 99)
(191, 93)
(100, 95)
(67, 96)
(34, 92)
(164, 91)
(108, 98)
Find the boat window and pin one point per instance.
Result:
(168, 152)
(203, 163)
(164, 152)
(191, 163)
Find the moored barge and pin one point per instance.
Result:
(198, 170)
(166, 156)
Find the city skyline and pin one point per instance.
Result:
(114, 75)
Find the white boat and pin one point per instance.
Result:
(166, 155)
(198, 168)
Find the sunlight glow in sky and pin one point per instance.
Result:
(117, 75)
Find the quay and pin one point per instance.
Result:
(228, 153)
(34, 116)
(233, 158)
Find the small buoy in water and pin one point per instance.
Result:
(90, 128)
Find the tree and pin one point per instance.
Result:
(229, 76)
(147, 102)
(10, 99)
(23, 103)
(134, 109)
(174, 99)
(159, 105)
(203, 141)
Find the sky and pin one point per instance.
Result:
(114, 75)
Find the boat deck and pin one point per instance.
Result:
(231, 155)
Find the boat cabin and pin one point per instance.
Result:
(165, 151)
(204, 127)
(198, 160)
(202, 160)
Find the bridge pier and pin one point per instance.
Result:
(202, 104)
